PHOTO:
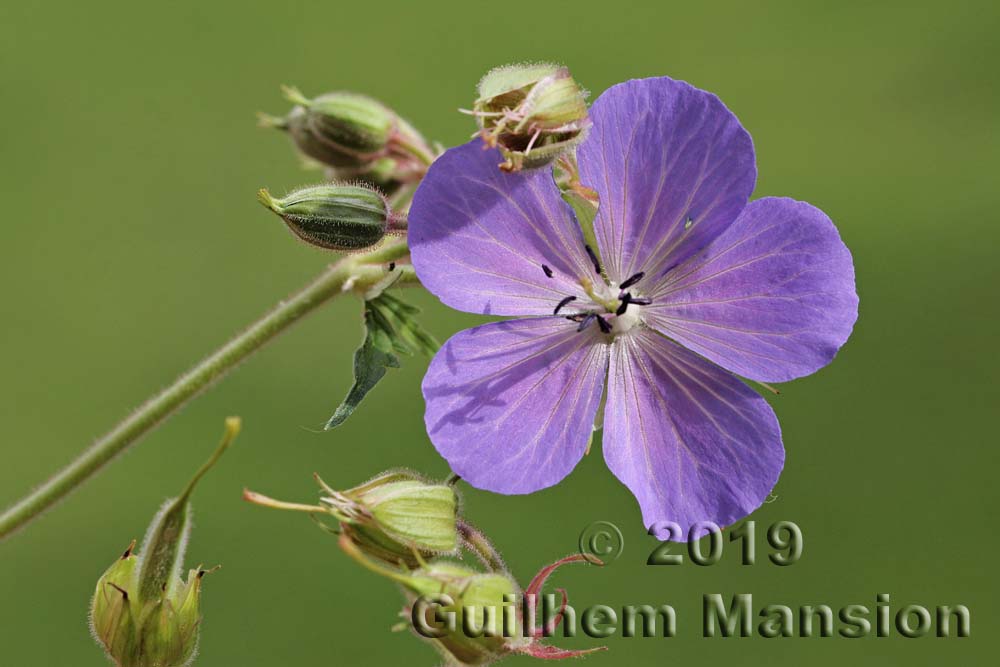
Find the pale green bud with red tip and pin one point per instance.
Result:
(398, 517)
(533, 113)
(142, 612)
(335, 216)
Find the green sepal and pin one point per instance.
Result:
(391, 329)
(111, 620)
(163, 550)
(585, 211)
(162, 553)
(418, 513)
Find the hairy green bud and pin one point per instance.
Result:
(353, 123)
(396, 513)
(533, 113)
(398, 517)
(468, 615)
(142, 612)
(335, 216)
(355, 137)
(296, 123)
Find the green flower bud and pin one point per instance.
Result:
(533, 113)
(398, 517)
(142, 612)
(398, 512)
(472, 617)
(356, 136)
(477, 610)
(353, 123)
(335, 216)
(467, 615)
(296, 123)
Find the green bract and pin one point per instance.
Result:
(142, 612)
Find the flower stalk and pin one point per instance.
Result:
(353, 273)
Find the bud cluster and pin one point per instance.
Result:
(533, 113)
(409, 530)
(142, 612)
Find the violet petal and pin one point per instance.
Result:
(691, 441)
(511, 405)
(771, 299)
(673, 168)
(479, 237)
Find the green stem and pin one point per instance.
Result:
(354, 273)
(477, 542)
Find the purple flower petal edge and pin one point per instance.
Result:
(772, 299)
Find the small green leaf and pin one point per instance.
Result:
(370, 361)
(391, 329)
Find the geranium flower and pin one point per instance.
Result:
(698, 285)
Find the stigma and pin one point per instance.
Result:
(626, 321)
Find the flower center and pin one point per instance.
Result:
(626, 321)
(613, 308)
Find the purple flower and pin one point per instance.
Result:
(704, 285)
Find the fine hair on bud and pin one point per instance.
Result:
(344, 217)
(354, 136)
(533, 113)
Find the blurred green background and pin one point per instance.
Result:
(132, 245)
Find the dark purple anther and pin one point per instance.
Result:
(633, 280)
(562, 303)
(586, 321)
(626, 300)
(593, 258)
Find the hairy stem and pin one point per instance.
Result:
(477, 542)
(352, 273)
